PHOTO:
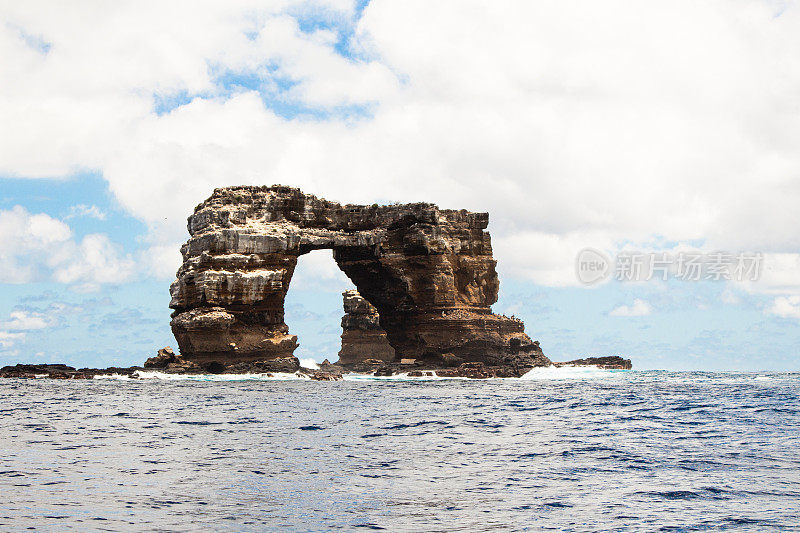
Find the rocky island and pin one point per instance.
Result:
(428, 273)
(425, 280)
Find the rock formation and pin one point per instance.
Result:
(429, 272)
(613, 362)
(362, 335)
(62, 371)
(166, 359)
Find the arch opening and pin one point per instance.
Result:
(313, 307)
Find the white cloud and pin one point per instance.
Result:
(317, 271)
(37, 247)
(593, 124)
(546, 258)
(786, 307)
(83, 210)
(25, 240)
(25, 320)
(778, 275)
(92, 262)
(7, 340)
(638, 308)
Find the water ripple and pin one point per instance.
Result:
(581, 451)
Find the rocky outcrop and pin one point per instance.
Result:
(325, 376)
(613, 362)
(362, 335)
(62, 371)
(166, 359)
(429, 272)
(285, 365)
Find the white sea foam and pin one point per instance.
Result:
(309, 363)
(570, 373)
(277, 376)
(544, 373)
(396, 377)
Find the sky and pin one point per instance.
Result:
(624, 127)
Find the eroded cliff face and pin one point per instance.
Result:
(363, 337)
(429, 272)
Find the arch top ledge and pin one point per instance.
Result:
(429, 272)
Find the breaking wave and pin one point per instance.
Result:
(309, 363)
(571, 373)
(143, 375)
(546, 373)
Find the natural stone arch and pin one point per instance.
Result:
(428, 271)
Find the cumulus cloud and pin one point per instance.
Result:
(778, 275)
(7, 339)
(83, 210)
(25, 320)
(638, 308)
(786, 307)
(572, 124)
(317, 271)
(35, 247)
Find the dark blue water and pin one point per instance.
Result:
(644, 451)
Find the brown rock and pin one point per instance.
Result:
(474, 370)
(384, 371)
(428, 272)
(163, 359)
(287, 365)
(613, 362)
(326, 366)
(326, 376)
(362, 335)
(367, 365)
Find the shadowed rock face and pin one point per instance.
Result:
(362, 335)
(429, 272)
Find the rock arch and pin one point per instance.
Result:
(428, 271)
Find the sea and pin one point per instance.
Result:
(569, 449)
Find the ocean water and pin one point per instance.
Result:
(565, 450)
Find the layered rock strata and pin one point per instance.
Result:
(429, 272)
(362, 335)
